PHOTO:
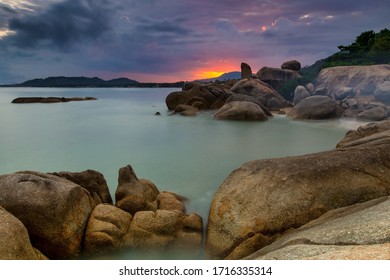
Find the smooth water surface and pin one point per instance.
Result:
(187, 155)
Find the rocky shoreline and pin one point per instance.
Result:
(328, 205)
(357, 92)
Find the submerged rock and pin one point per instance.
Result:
(264, 199)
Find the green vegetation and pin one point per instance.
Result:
(369, 48)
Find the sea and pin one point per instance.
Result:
(190, 156)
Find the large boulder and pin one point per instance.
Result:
(91, 180)
(357, 232)
(241, 111)
(14, 240)
(265, 198)
(261, 91)
(246, 71)
(132, 194)
(317, 108)
(203, 97)
(364, 80)
(54, 210)
(374, 114)
(106, 229)
(276, 77)
(291, 65)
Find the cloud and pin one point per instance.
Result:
(62, 24)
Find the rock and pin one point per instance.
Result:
(322, 91)
(164, 230)
(300, 93)
(291, 65)
(55, 211)
(344, 92)
(242, 97)
(364, 80)
(106, 229)
(170, 201)
(182, 107)
(316, 107)
(350, 113)
(91, 180)
(310, 88)
(241, 111)
(14, 240)
(358, 232)
(20, 100)
(373, 114)
(188, 113)
(133, 195)
(382, 92)
(276, 77)
(260, 91)
(351, 102)
(157, 114)
(200, 96)
(266, 198)
(246, 71)
(362, 132)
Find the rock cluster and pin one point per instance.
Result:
(363, 92)
(68, 215)
(260, 89)
(258, 208)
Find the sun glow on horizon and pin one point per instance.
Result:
(207, 74)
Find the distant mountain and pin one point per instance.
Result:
(223, 77)
(77, 82)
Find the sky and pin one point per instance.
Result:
(174, 40)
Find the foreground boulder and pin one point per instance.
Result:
(241, 111)
(357, 232)
(316, 108)
(242, 97)
(265, 198)
(14, 240)
(55, 211)
(374, 114)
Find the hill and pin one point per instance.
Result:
(223, 77)
(77, 82)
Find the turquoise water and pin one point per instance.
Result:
(187, 155)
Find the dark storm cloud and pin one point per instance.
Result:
(175, 36)
(62, 24)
